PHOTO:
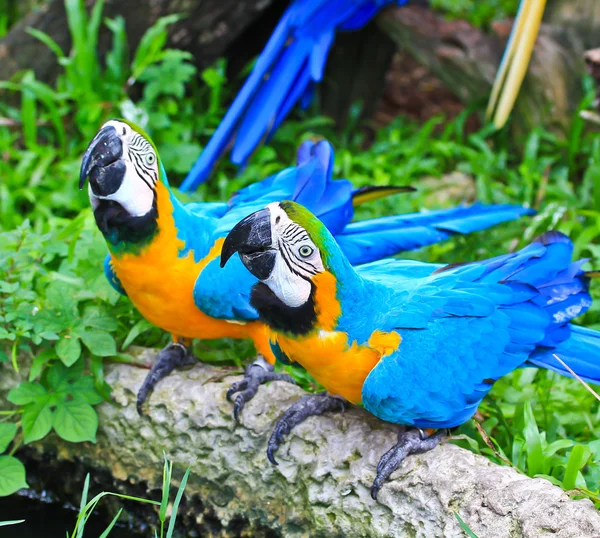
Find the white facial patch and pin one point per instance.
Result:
(136, 192)
(298, 259)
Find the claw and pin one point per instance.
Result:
(307, 406)
(413, 441)
(175, 355)
(256, 374)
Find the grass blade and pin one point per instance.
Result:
(112, 524)
(533, 442)
(577, 460)
(178, 497)
(13, 522)
(464, 526)
(162, 513)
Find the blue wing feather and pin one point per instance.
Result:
(377, 238)
(111, 276)
(291, 64)
(483, 320)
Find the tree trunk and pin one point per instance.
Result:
(207, 31)
(466, 59)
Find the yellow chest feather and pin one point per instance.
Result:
(340, 366)
(160, 282)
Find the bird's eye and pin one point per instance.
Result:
(150, 158)
(305, 251)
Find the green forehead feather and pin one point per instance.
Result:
(302, 216)
(141, 131)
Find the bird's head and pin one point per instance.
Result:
(123, 170)
(123, 167)
(296, 259)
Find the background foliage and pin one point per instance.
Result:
(60, 319)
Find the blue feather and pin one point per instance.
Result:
(377, 238)
(286, 71)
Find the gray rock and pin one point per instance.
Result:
(321, 486)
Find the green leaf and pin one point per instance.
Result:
(36, 421)
(46, 40)
(141, 326)
(49, 335)
(464, 526)
(99, 342)
(151, 45)
(61, 298)
(98, 318)
(68, 350)
(76, 421)
(178, 497)
(12, 477)
(533, 442)
(577, 460)
(84, 389)
(7, 434)
(27, 392)
(166, 485)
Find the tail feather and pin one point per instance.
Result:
(292, 62)
(378, 238)
(580, 351)
(366, 194)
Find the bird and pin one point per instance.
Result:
(293, 62)
(163, 254)
(418, 345)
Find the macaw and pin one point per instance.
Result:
(164, 254)
(416, 344)
(293, 62)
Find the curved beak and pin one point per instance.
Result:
(102, 163)
(252, 239)
(515, 61)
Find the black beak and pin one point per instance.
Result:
(252, 238)
(102, 163)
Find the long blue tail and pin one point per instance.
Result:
(581, 352)
(373, 239)
(285, 72)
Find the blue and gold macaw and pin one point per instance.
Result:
(416, 344)
(293, 62)
(164, 255)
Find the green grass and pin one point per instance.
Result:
(538, 422)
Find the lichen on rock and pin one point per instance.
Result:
(326, 467)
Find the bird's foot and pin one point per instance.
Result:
(175, 355)
(256, 374)
(307, 406)
(413, 441)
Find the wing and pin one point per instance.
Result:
(111, 276)
(290, 65)
(224, 293)
(377, 238)
(455, 344)
(309, 183)
(465, 326)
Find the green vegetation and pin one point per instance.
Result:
(477, 13)
(87, 508)
(60, 319)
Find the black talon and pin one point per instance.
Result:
(175, 355)
(256, 374)
(307, 406)
(409, 442)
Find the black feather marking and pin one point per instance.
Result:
(118, 226)
(299, 320)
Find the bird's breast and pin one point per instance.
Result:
(336, 363)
